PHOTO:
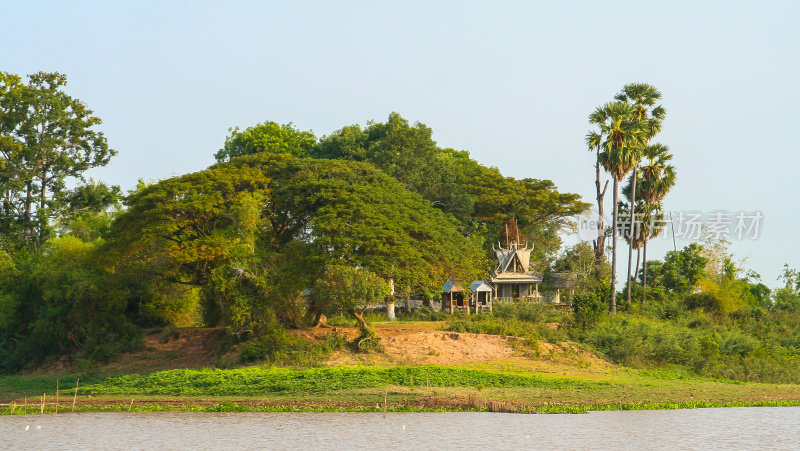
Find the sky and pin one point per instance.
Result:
(511, 82)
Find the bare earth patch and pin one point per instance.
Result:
(424, 343)
(171, 349)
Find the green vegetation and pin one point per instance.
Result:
(532, 322)
(427, 388)
(288, 228)
(256, 381)
(237, 244)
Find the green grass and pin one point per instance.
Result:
(36, 385)
(255, 381)
(228, 406)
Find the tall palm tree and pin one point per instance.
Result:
(643, 229)
(651, 213)
(649, 117)
(594, 141)
(620, 153)
(658, 178)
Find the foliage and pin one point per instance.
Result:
(481, 198)
(351, 290)
(531, 321)
(587, 308)
(261, 381)
(268, 137)
(72, 307)
(746, 345)
(682, 270)
(46, 138)
(407, 153)
(277, 346)
(253, 233)
(786, 299)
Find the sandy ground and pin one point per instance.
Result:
(421, 343)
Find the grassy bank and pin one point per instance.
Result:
(405, 388)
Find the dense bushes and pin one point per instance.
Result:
(738, 346)
(531, 321)
(587, 308)
(61, 303)
(260, 381)
(278, 346)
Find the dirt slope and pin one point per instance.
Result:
(422, 343)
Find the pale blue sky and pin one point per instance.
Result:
(511, 82)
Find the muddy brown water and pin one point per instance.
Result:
(726, 428)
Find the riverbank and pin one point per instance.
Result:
(499, 386)
(421, 368)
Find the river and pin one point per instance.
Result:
(724, 428)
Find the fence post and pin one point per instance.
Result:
(74, 397)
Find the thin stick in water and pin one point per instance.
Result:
(56, 395)
(76, 393)
(385, 394)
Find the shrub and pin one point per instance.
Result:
(587, 308)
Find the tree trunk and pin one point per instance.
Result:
(42, 211)
(644, 265)
(27, 215)
(600, 243)
(390, 309)
(630, 234)
(390, 300)
(638, 260)
(360, 318)
(612, 305)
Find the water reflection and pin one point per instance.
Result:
(730, 428)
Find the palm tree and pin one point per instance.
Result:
(621, 152)
(594, 141)
(651, 213)
(649, 118)
(658, 177)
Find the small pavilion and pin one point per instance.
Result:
(453, 297)
(481, 296)
(513, 278)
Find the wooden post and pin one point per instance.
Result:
(13, 407)
(385, 395)
(451, 302)
(75, 396)
(131, 406)
(43, 396)
(56, 395)
(26, 405)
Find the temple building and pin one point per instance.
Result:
(513, 277)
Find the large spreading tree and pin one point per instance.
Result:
(256, 231)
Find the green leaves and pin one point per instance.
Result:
(350, 289)
(46, 137)
(268, 137)
(256, 231)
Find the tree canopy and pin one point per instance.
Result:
(481, 198)
(46, 138)
(277, 217)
